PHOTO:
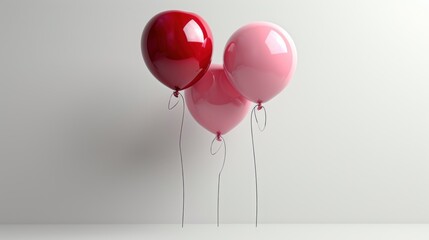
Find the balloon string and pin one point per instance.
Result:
(219, 138)
(170, 107)
(253, 114)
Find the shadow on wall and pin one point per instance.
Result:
(116, 143)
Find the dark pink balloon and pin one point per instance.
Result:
(177, 48)
(260, 59)
(214, 103)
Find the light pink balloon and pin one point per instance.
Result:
(260, 59)
(214, 103)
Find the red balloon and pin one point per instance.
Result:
(214, 103)
(177, 48)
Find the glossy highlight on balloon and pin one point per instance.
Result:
(177, 48)
(259, 60)
(214, 103)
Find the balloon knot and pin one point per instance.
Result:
(176, 93)
(259, 105)
(218, 136)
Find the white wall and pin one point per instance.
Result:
(86, 137)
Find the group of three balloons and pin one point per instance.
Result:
(259, 61)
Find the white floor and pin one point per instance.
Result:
(203, 232)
